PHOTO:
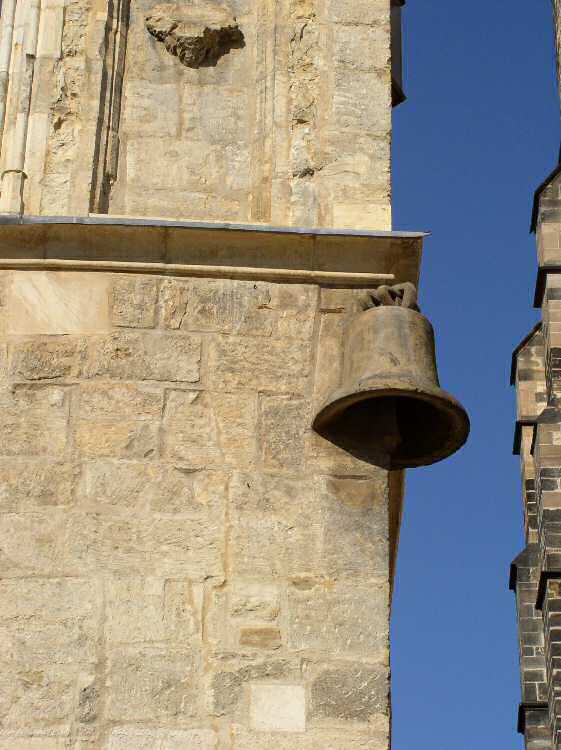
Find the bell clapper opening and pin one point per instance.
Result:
(386, 426)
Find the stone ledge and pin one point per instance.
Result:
(104, 243)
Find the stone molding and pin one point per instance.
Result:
(255, 252)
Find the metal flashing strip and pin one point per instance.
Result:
(132, 221)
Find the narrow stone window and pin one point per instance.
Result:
(397, 53)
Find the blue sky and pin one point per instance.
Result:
(479, 132)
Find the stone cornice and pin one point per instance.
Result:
(287, 254)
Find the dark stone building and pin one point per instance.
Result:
(536, 572)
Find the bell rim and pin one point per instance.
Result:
(458, 416)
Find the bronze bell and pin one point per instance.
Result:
(390, 404)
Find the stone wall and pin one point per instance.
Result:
(268, 111)
(184, 564)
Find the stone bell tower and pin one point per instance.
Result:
(213, 374)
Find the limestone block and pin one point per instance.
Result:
(159, 544)
(333, 738)
(359, 11)
(34, 483)
(34, 542)
(265, 638)
(49, 43)
(350, 692)
(34, 695)
(296, 306)
(221, 116)
(139, 738)
(133, 301)
(30, 742)
(34, 421)
(225, 306)
(3, 356)
(329, 363)
(361, 47)
(173, 300)
(277, 514)
(277, 708)
(194, 548)
(255, 601)
(144, 487)
(149, 609)
(339, 619)
(324, 457)
(351, 214)
(150, 684)
(176, 164)
(246, 364)
(108, 543)
(49, 621)
(111, 439)
(103, 401)
(43, 359)
(284, 422)
(143, 356)
(152, 108)
(57, 302)
(356, 525)
(227, 686)
(362, 114)
(190, 203)
(205, 429)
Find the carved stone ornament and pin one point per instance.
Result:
(399, 295)
(198, 38)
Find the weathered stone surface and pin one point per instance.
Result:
(119, 401)
(149, 684)
(150, 610)
(204, 429)
(145, 487)
(277, 708)
(246, 364)
(35, 695)
(356, 525)
(343, 619)
(184, 564)
(44, 302)
(174, 297)
(350, 692)
(223, 306)
(198, 39)
(284, 422)
(135, 738)
(133, 302)
(333, 738)
(136, 356)
(277, 514)
(43, 359)
(107, 438)
(26, 484)
(30, 742)
(35, 421)
(227, 686)
(49, 621)
(255, 601)
(268, 639)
